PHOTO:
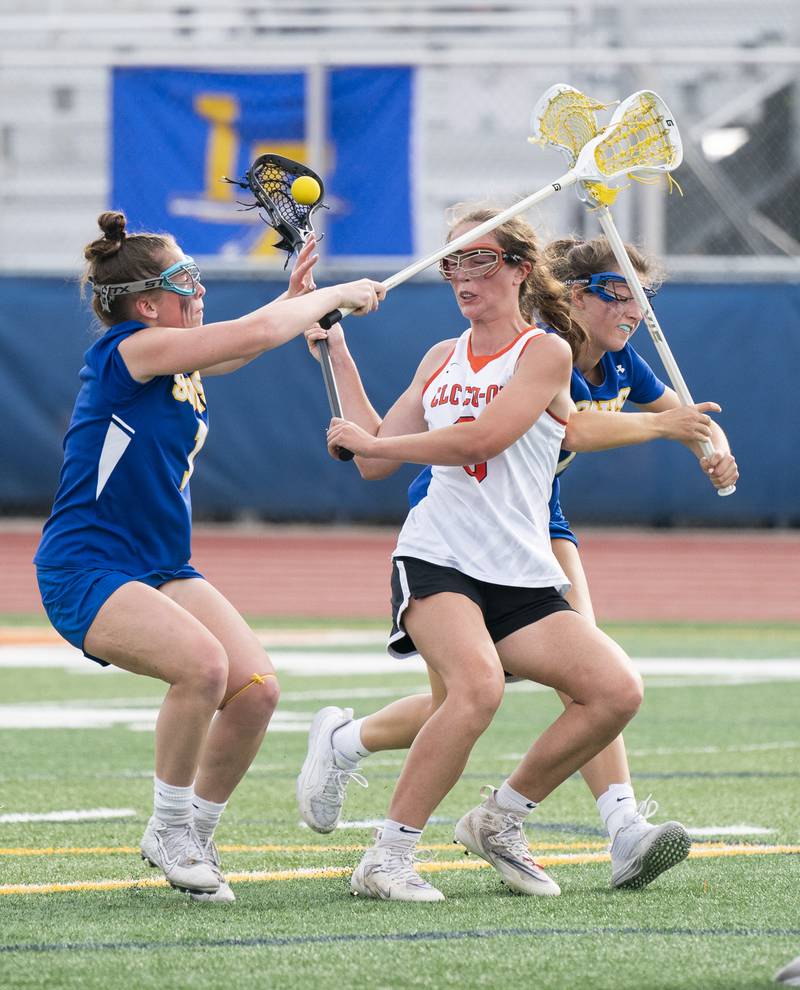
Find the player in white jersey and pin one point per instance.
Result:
(640, 851)
(476, 588)
(510, 543)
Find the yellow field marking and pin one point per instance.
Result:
(705, 851)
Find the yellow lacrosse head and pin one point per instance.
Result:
(642, 139)
(564, 118)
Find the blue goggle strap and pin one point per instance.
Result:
(597, 284)
(108, 293)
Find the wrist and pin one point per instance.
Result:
(657, 426)
(340, 355)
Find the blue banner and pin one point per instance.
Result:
(177, 132)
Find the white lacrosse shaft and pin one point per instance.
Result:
(670, 364)
(585, 169)
(566, 180)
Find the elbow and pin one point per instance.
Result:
(572, 439)
(478, 449)
(372, 470)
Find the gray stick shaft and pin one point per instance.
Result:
(330, 381)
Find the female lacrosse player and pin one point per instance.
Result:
(640, 851)
(476, 588)
(113, 563)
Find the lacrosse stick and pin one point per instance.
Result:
(633, 141)
(270, 179)
(564, 118)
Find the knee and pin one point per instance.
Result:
(627, 695)
(209, 673)
(255, 700)
(264, 698)
(478, 698)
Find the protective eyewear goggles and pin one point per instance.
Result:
(480, 261)
(182, 278)
(610, 287)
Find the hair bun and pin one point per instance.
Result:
(112, 223)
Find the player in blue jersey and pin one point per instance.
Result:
(113, 562)
(607, 371)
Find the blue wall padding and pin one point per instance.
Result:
(265, 455)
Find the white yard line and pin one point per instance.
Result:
(89, 815)
(139, 714)
(321, 663)
(50, 716)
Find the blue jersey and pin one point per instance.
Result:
(123, 497)
(625, 376)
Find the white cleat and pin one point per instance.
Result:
(789, 976)
(321, 784)
(176, 850)
(387, 873)
(640, 851)
(223, 894)
(496, 835)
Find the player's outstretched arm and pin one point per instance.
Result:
(169, 350)
(592, 430)
(301, 281)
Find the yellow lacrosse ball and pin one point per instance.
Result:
(305, 190)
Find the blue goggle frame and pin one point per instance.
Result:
(602, 285)
(108, 293)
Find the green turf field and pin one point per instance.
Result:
(716, 751)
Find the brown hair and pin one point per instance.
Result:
(541, 295)
(574, 257)
(121, 257)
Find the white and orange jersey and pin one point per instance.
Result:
(490, 520)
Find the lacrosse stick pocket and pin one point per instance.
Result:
(270, 179)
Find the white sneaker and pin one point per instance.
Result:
(223, 894)
(321, 785)
(387, 873)
(176, 850)
(496, 835)
(789, 976)
(641, 851)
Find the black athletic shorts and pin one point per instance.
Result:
(505, 609)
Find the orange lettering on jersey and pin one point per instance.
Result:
(455, 392)
(491, 393)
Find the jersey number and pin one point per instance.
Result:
(199, 440)
(476, 471)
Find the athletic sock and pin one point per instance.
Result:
(508, 799)
(617, 806)
(206, 816)
(172, 805)
(348, 749)
(396, 834)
